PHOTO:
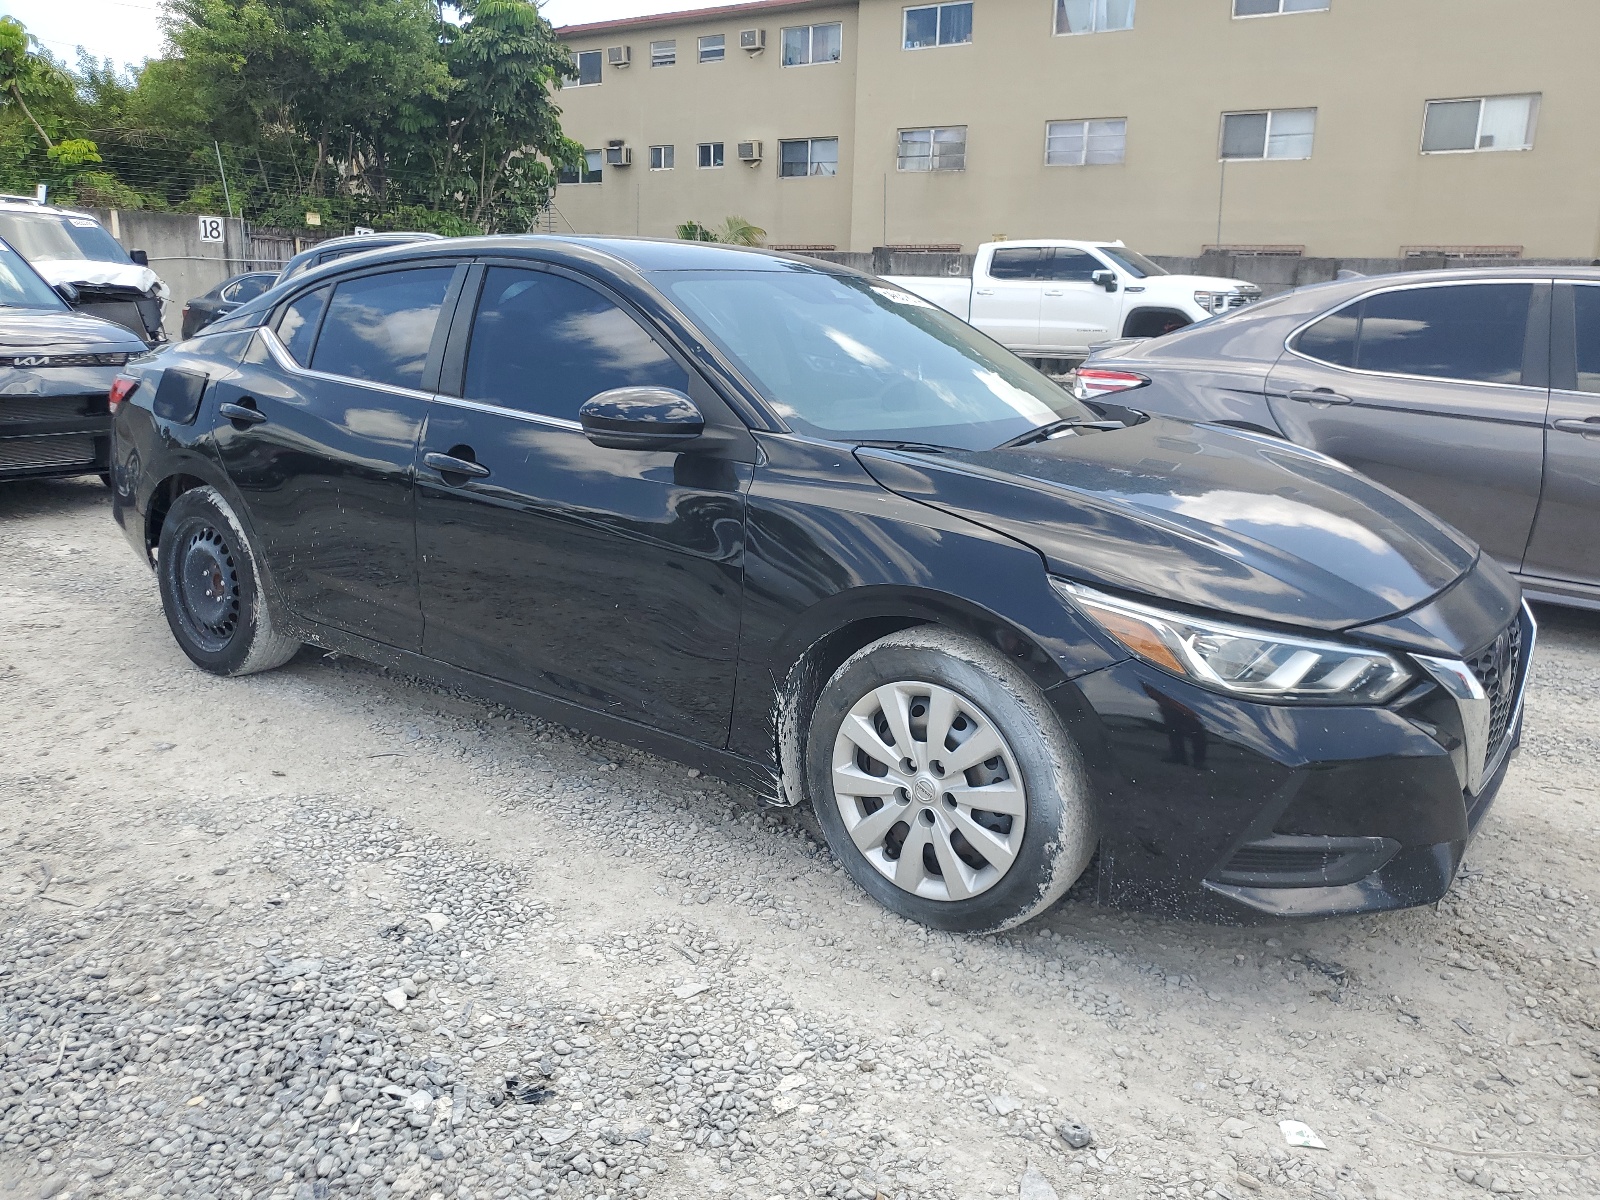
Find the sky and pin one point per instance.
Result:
(129, 31)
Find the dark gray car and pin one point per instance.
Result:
(1475, 393)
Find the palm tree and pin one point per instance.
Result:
(735, 231)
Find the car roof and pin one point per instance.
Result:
(20, 204)
(639, 253)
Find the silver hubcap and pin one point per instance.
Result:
(929, 790)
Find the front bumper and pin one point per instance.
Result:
(1219, 808)
(54, 421)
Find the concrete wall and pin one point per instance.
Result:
(1368, 68)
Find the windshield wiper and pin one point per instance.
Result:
(1046, 432)
(911, 447)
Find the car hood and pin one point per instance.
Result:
(1198, 283)
(1202, 516)
(42, 331)
(95, 273)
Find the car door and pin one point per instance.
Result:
(1075, 311)
(1005, 299)
(320, 439)
(1437, 390)
(608, 578)
(1565, 545)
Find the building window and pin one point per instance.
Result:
(713, 48)
(807, 44)
(934, 149)
(585, 69)
(593, 162)
(664, 54)
(710, 155)
(808, 156)
(1486, 123)
(663, 158)
(938, 25)
(1085, 143)
(1283, 133)
(1093, 16)
(1272, 8)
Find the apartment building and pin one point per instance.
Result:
(1370, 128)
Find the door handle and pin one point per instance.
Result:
(1587, 428)
(447, 464)
(985, 291)
(242, 414)
(1054, 292)
(1318, 396)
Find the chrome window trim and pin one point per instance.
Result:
(1593, 397)
(1409, 287)
(286, 362)
(1474, 705)
(498, 410)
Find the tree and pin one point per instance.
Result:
(734, 231)
(24, 74)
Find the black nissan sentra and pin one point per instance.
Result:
(802, 529)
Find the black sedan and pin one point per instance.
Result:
(803, 529)
(57, 367)
(224, 298)
(1475, 393)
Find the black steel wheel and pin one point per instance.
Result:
(211, 589)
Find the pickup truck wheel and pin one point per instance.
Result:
(945, 785)
(211, 590)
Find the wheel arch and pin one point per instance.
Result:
(1154, 320)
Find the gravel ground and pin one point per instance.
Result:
(331, 932)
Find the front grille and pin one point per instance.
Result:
(1499, 670)
(71, 451)
(1294, 861)
(17, 409)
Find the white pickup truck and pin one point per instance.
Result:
(1055, 299)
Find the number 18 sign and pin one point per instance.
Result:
(211, 229)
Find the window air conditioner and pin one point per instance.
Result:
(618, 155)
(619, 56)
(753, 40)
(750, 152)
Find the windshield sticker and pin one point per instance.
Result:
(85, 222)
(896, 296)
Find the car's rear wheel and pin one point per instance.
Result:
(211, 589)
(945, 784)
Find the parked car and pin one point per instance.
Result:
(1476, 393)
(343, 247)
(56, 371)
(1054, 299)
(224, 298)
(67, 246)
(795, 526)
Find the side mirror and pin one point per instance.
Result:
(1106, 279)
(641, 418)
(139, 257)
(67, 292)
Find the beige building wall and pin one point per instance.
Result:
(1367, 66)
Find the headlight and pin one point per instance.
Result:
(1255, 663)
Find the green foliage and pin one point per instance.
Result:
(734, 231)
(367, 112)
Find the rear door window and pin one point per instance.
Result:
(1066, 265)
(1017, 263)
(1471, 332)
(1586, 301)
(543, 343)
(379, 327)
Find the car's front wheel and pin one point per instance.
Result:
(211, 589)
(945, 784)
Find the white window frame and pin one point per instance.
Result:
(811, 162)
(938, 34)
(1086, 125)
(1535, 103)
(1321, 6)
(811, 39)
(597, 156)
(717, 151)
(573, 80)
(664, 53)
(712, 54)
(1058, 15)
(663, 158)
(1266, 154)
(932, 157)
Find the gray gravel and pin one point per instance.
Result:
(330, 932)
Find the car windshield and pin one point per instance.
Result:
(21, 286)
(43, 236)
(857, 360)
(1132, 261)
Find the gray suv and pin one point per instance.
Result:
(1475, 393)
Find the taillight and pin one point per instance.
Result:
(1089, 383)
(121, 388)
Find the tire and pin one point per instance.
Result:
(211, 589)
(979, 870)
